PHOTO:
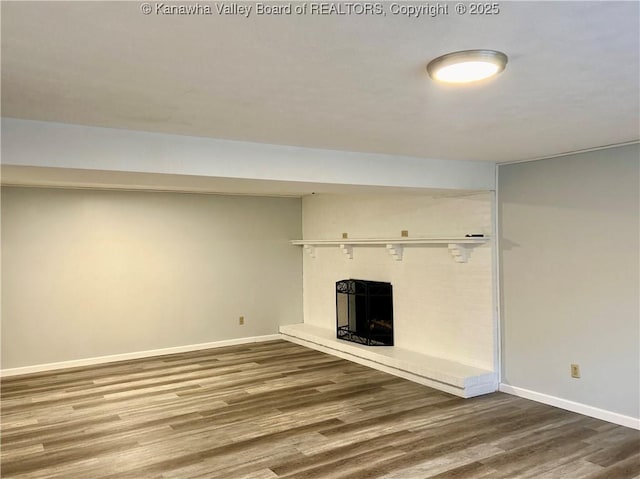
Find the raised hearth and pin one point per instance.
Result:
(443, 374)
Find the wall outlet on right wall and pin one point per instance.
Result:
(575, 371)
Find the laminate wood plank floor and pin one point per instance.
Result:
(279, 410)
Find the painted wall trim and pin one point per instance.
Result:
(495, 280)
(572, 406)
(135, 355)
(569, 153)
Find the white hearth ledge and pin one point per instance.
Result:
(442, 374)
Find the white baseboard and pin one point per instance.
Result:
(136, 355)
(572, 406)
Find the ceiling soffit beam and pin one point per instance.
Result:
(57, 145)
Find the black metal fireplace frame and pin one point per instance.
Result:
(362, 324)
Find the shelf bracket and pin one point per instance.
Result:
(395, 250)
(347, 249)
(310, 249)
(460, 252)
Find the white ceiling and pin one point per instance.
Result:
(350, 82)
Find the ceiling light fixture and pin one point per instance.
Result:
(467, 66)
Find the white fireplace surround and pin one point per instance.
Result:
(444, 309)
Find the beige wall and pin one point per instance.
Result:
(88, 273)
(441, 308)
(569, 255)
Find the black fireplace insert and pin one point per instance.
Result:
(364, 312)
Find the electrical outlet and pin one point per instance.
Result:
(404, 233)
(575, 371)
(345, 235)
(241, 320)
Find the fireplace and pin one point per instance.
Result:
(364, 312)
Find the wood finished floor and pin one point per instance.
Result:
(279, 410)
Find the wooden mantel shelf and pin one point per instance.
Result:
(458, 246)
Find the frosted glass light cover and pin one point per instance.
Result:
(466, 72)
(467, 66)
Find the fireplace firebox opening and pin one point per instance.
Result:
(364, 312)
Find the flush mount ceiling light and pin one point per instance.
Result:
(467, 66)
